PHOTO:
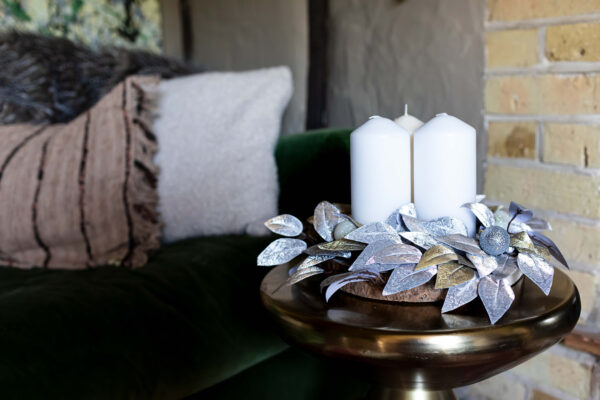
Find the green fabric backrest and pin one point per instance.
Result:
(312, 167)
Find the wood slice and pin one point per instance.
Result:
(423, 294)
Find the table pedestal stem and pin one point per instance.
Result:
(386, 393)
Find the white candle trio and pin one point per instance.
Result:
(438, 157)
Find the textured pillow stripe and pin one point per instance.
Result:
(88, 189)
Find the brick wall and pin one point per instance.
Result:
(542, 115)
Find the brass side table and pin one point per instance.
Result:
(412, 351)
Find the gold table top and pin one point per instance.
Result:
(414, 346)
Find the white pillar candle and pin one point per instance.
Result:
(380, 169)
(408, 122)
(445, 173)
(411, 124)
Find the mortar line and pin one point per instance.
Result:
(554, 167)
(537, 22)
(541, 47)
(564, 68)
(583, 119)
(539, 142)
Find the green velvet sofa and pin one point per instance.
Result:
(188, 324)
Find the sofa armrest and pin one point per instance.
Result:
(313, 166)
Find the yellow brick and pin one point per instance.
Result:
(574, 144)
(546, 94)
(537, 395)
(586, 284)
(498, 387)
(512, 139)
(514, 48)
(578, 242)
(577, 94)
(575, 42)
(564, 192)
(516, 10)
(560, 372)
(512, 95)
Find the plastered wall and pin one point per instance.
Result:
(427, 53)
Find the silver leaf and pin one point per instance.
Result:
(374, 232)
(281, 251)
(460, 295)
(311, 261)
(394, 220)
(445, 226)
(505, 270)
(501, 217)
(497, 296)
(413, 224)
(401, 280)
(408, 209)
(397, 253)
(334, 278)
(316, 250)
(361, 261)
(519, 213)
(479, 198)
(367, 274)
(334, 287)
(336, 282)
(482, 212)
(518, 226)
(463, 243)
(501, 260)
(326, 217)
(508, 272)
(538, 224)
(285, 225)
(423, 240)
(540, 271)
(484, 265)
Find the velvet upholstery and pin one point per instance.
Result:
(190, 321)
(319, 160)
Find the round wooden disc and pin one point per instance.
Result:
(423, 294)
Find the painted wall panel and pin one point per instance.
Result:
(239, 35)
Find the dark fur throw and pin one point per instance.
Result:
(47, 79)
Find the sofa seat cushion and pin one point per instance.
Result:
(290, 375)
(189, 319)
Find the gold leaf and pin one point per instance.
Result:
(342, 244)
(303, 274)
(311, 261)
(452, 274)
(543, 252)
(521, 241)
(464, 261)
(439, 254)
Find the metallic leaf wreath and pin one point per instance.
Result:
(508, 243)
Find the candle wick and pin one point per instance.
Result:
(405, 109)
